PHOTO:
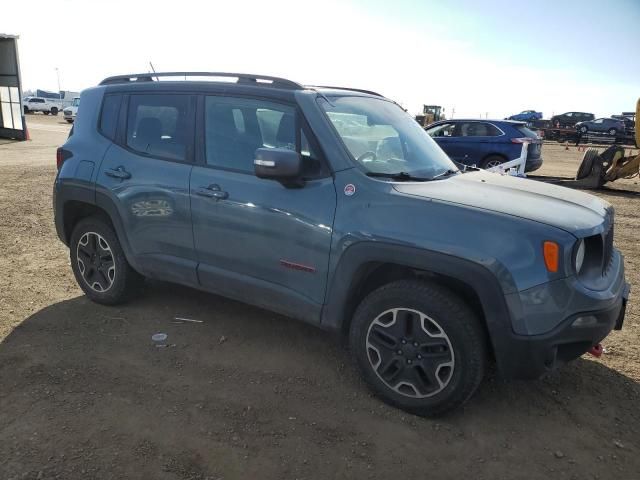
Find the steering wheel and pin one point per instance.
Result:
(367, 155)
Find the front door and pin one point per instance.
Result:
(257, 240)
(145, 173)
(445, 136)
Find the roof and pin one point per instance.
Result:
(225, 78)
(491, 120)
(6, 35)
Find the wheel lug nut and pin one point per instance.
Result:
(419, 357)
(399, 352)
(409, 361)
(415, 344)
(403, 341)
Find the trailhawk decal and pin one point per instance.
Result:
(349, 189)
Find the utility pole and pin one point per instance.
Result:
(58, 76)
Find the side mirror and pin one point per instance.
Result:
(279, 164)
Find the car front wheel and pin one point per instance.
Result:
(583, 129)
(613, 132)
(419, 347)
(99, 263)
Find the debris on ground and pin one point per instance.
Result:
(183, 320)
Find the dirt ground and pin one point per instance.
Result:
(248, 394)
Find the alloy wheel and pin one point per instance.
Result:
(95, 262)
(410, 352)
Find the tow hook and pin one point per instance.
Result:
(596, 350)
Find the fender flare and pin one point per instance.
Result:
(82, 194)
(489, 280)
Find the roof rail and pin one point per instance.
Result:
(350, 89)
(244, 78)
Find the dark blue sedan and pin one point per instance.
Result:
(486, 143)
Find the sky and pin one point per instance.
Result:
(475, 58)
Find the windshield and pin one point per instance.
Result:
(384, 139)
(76, 102)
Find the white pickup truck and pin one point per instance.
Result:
(72, 110)
(40, 104)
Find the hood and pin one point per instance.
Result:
(570, 210)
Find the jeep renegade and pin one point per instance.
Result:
(332, 206)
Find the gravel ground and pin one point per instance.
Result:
(249, 394)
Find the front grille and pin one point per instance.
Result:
(67, 112)
(607, 250)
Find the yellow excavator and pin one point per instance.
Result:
(598, 168)
(430, 114)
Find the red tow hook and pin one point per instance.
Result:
(596, 350)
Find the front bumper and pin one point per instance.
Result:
(544, 333)
(532, 356)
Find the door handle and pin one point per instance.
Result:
(212, 191)
(119, 172)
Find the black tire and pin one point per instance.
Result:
(54, 111)
(118, 285)
(45, 113)
(464, 342)
(492, 161)
(26, 110)
(583, 129)
(69, 121)
(587, 163)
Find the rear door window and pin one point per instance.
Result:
(160, 125)
(479, 129)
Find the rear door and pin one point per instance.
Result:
(478, 139)
(145, 174)
(256, 239)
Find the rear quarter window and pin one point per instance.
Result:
(109, 115)
(526, 132)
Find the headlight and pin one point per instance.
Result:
(579, 260)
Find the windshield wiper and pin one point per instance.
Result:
(465, 168)
(445, 174)
(400, 176)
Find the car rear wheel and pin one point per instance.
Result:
(418, 346)
(492, 161)
(99, 263)
(54, 111)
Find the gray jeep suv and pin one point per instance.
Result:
(333, 206)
